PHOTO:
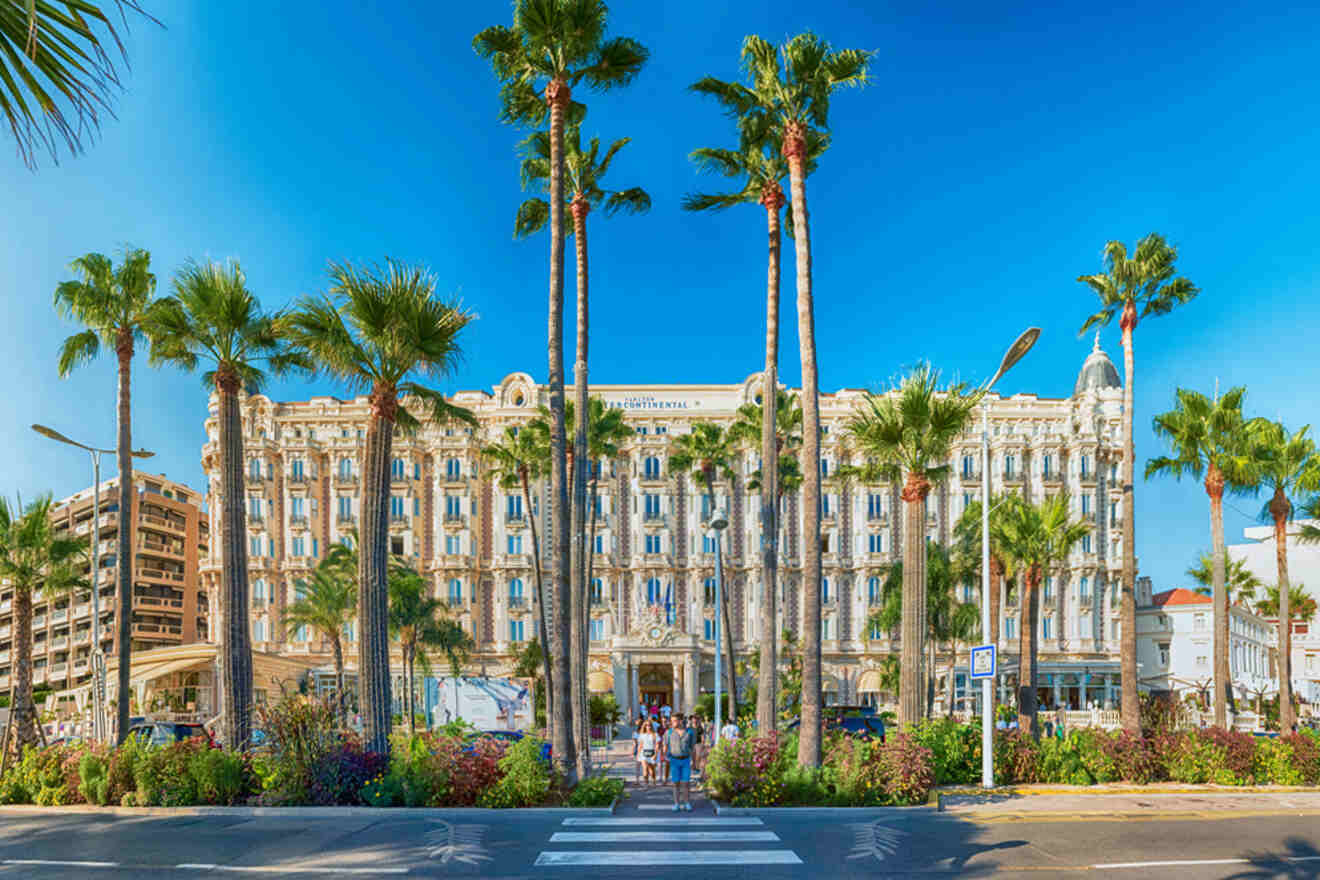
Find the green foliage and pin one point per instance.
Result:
(603, 710)
(955, 750)
(94, 777)
(414, 778)
(526, 779)
(595, 791)
(221, 777)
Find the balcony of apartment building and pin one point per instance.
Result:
(1052, 477)
(149, 544)
(399, 522)
(1088, 477)
(515, 560)
(299, 522)
(157, 598)
(518, 603)
(161, 518)
(164, 574)
(515, 519)
(157, 627)
(454, 521)
(84, 527)
(970, 476)
(346, 519)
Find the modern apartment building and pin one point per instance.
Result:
(169, 536)
(652, 587)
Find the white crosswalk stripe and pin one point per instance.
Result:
(667, 831)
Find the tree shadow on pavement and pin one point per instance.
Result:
(1300, 862)
(922, 844)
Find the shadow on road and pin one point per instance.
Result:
(1301, 863)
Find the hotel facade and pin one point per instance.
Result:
(652, 592)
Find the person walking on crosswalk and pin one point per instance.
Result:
(679, 743)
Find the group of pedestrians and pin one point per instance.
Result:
(670, 753)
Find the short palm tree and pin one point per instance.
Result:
(327, 602)
(382, 329)
(115, 304)
(1287, 465)
(515, 460)
(552, 47)
(1240, 583)
(56, 71)
(33, 557)
(1210, 438)
(586, 168)
(789, 105)
(212, 317)
(1310, 532)
(1036, 537)
(707, 453)
(909, 434)
(415, 621)
(967, 550)
(1301, 604)
(1133, 287)
(773, 430)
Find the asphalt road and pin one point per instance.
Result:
(648, 843)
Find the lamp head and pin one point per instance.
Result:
(1016, 352)
(720, 521)
(53, 435)
(141, 453)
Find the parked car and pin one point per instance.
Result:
(509, 736)
(864, 726)
(161, 733)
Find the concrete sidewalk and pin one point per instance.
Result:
(1129, 803)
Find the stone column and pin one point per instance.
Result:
(1058, 690)
(1109, 693)
(635, 688)
(676, 676)
(690, 688)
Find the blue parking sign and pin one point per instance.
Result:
(983, 661)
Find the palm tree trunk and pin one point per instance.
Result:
(540, 614)
(1127, 614)
(408, 699)
(1027, 653)
(124, 554)
(373, 577)
(911, 689)
(950, 686)
(236, 652)
(1214, 487)
(557, 95)
(578, 634)
(767, 677)
(24, 720)
(341, 707)
(809, 743)
(1280, 507)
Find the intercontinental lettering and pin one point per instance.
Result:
(646, 403)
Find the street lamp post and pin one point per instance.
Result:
(1015, 353)
(719, 523)
(95, 656)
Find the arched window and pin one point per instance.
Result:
(825, 589)
(597, 595)
(455, 591)
(873, 591)
(710, 591)
(652, 468)
(453, 469)
(653, 593)
(396, 469)
(345, 468)
(516, 590)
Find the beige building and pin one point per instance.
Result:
(169, 537)
(652, 606)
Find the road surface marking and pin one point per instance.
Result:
(663, 836)
(60, 863)
(671, 857)
(635, 820)
(1174, 863)
(286, 869)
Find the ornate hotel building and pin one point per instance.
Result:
(651, 618)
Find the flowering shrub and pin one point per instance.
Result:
(1194, 757)
(857, 772)
(1237, 766)
(955, 750)
(749, 771)
(908, 769)
(595, 791)
(526, 777)
(1134, 761)
(1016, 757)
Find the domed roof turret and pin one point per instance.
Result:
(1097, 372)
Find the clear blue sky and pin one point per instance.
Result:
(997, 149)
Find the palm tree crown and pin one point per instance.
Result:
(585, 170)
(114, 304)
(57, 71)
(1240, 582)
(1135, 286)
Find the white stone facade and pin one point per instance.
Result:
(651, 618)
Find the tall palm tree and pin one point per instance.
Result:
(327, 602)
(586, 168)
(1240, 583)
(56, 71)
(212, 317)
(115, 304)
(34, 557)
(1210, 437)
(1035, 537)
(909, 433)
(707, 452)
(1287, 464)
(769, 429)
(551, 48)
(382, 329)
(790, 105)
(1132, 288)
(516, 459)
(967, 550)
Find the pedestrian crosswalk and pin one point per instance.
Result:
(670, 834)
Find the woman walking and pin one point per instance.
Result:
(647, 748)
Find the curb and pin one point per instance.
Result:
(722, 810)
(1098, 791)
(306, 812)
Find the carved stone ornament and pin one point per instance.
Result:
(652, 629)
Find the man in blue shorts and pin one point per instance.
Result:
(679, 743)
